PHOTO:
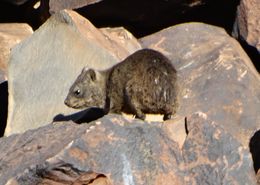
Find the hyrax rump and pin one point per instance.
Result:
(145, 82)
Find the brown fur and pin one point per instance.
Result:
(145, 82)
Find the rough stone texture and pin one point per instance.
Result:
(10, 35)
(58, 5)
(215, 75)
(34, 147)
(247, 24)
(3, 76)
(213, 156)
(124, 151)
(39, 81)
(116, 150)
(122, 37)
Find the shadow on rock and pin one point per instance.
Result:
(252, 52)
(3, 106)
(255, 150)
(83, 116)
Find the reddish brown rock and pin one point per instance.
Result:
(34, 147)
(247, 25)
(115, 150)
(3, 76)
(10, 35)
(103, 39)
(213, 156)
(215, 76)
(123, 38)
(118, 150)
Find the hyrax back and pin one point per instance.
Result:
(145, 82)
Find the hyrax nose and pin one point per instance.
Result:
(66, 102)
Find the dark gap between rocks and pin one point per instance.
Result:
(25, 13)
(146, 17)
(218, 13)
(253, 54)
(3, 106)
(254, 146)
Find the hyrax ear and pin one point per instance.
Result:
(88, 72)
(85, 70)
(92, 74)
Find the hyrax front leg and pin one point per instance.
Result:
(168, 113)
(170, 110)
(139, 114)
(115, 103)
(167, 116)
(136, 106)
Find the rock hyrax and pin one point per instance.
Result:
(145, 82)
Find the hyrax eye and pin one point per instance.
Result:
(77, 92)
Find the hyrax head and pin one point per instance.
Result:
(87, 91)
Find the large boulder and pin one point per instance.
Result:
(213, 156)
(116, 150)
(215, 76)
(44, 66)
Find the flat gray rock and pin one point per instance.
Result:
(43, 67)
